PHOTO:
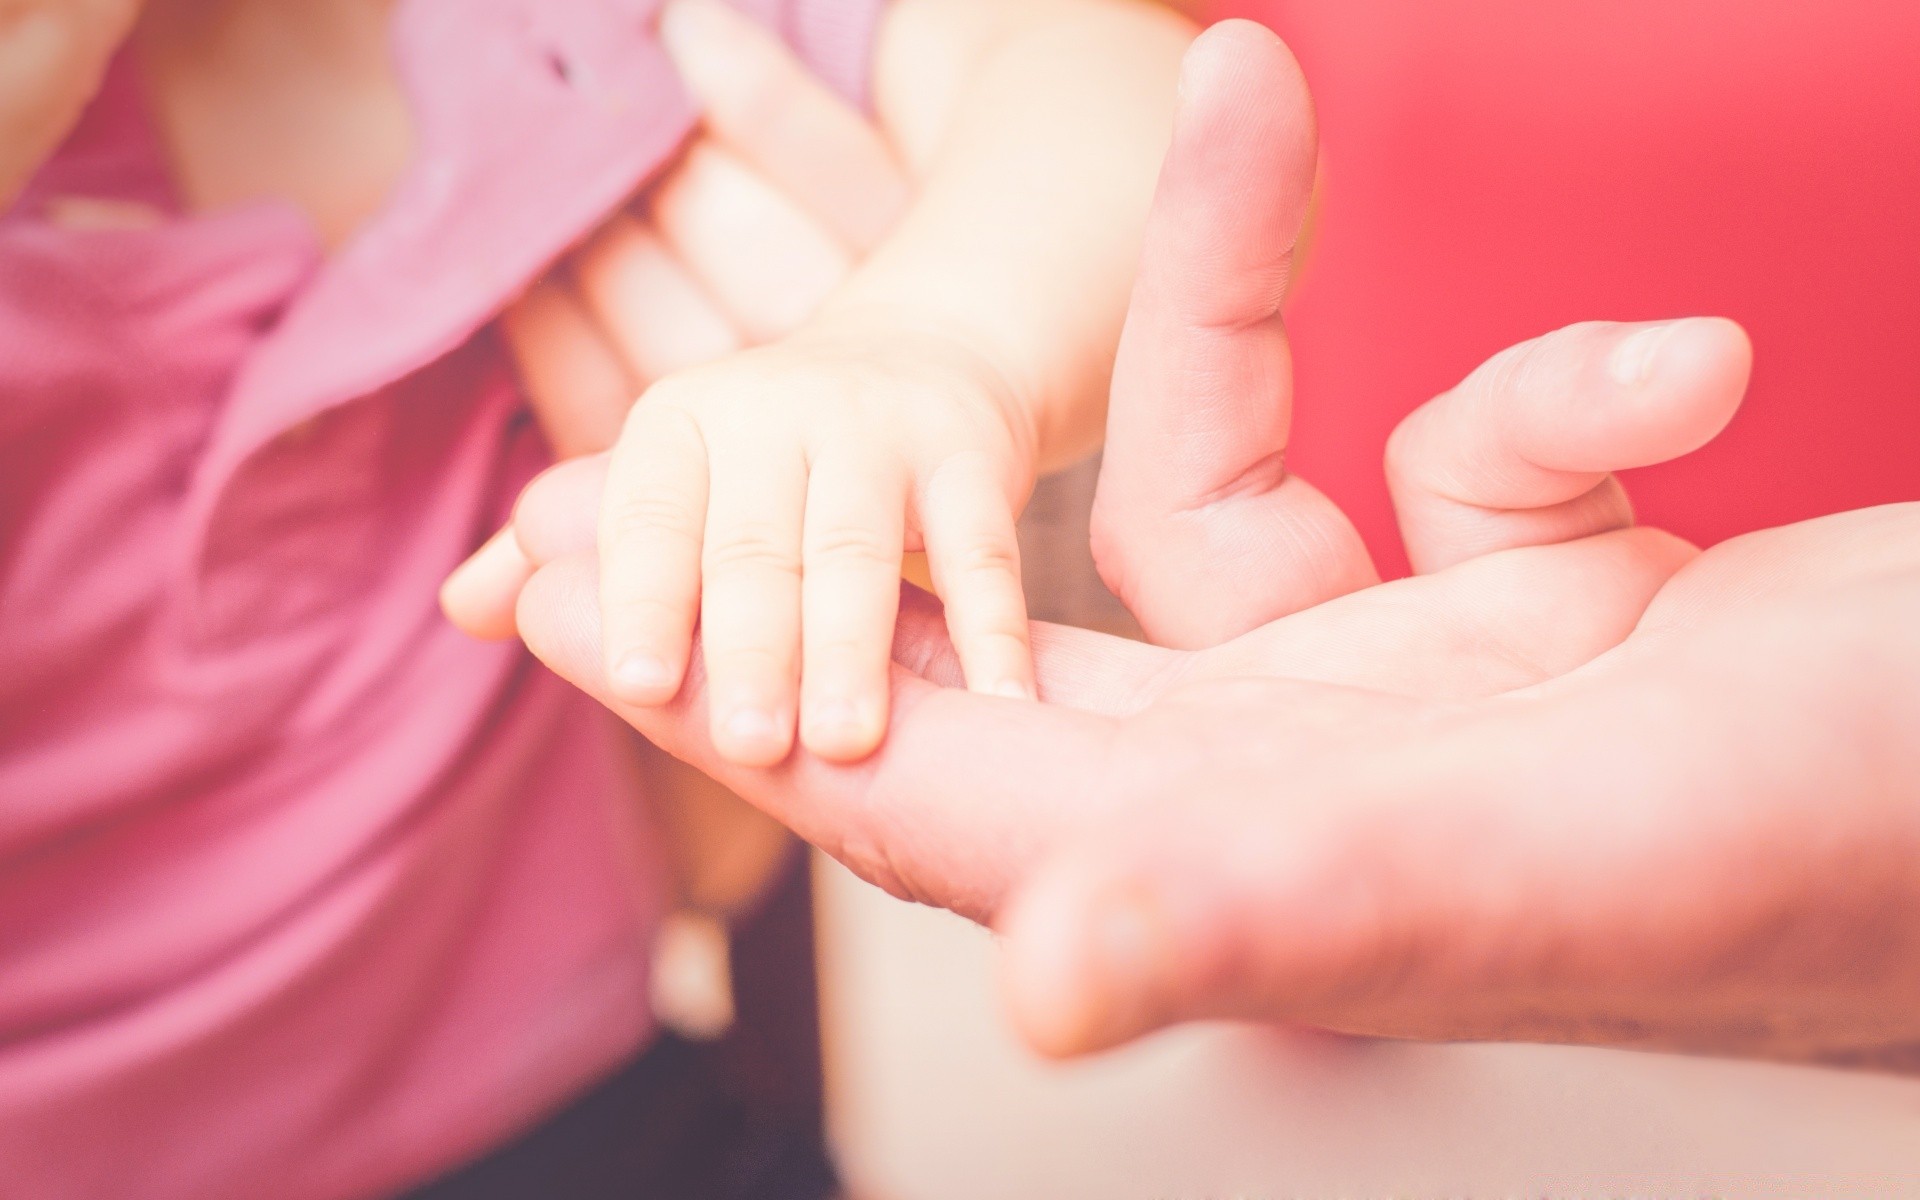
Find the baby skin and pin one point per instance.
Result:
(767, 498)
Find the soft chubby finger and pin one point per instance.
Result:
(966, 792)
(1521, 453)
(850, 592)
(761, 103)
(558, 513)
(750, 608)
(655, 313)
(768, 264)
(578, 386)
(480, 595)
(974, 553)
(652, 522)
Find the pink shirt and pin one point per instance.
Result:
(302, 893)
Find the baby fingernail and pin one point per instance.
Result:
(842, 725)
(1013, 689)
(837, 715)
(643, 675)
(753, 732)
(1633, 359)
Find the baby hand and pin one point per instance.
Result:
(771, 497)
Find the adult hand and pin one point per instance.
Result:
(1705, 839)
(1412, 810)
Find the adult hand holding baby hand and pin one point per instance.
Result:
(1553, 789)
(783, 189)
(775, 491)
(969, 793)
(887, 441)
(792, 479)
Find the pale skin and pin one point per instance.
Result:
(781, 195)
(769, 496)
(1576, 781)
(646, 295)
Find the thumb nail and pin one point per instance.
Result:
(1634, 359)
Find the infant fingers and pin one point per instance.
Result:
(652, 522)
(750, 609)
(974, 554)
(855, 535)
(479, 597)
(554, 517)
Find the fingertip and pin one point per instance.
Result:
(1685, 380)
(1240, 86)
(752, 735)
(1009, 688)
(558, 513)
(645, 678)
(1224, 49)
(1084, 951)
(843, 730)
(479, 596)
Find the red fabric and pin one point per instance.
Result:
(1496, 168)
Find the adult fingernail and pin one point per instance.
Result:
(1633, 360)
(644, 679)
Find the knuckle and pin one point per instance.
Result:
(656, 513)
(653, 612)
(985, 556)
(750, 549)
(840, 647)
(997, 642)
(1404, 444)
(668, 399)
(853, 545)
(750, 660)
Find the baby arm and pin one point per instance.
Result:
(771, 495)
(52, 56)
